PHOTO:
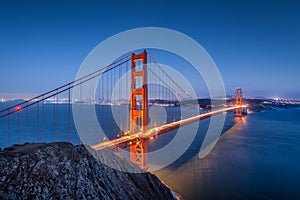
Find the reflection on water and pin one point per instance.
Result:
(258, 158)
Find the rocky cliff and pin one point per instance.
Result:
(64, 171)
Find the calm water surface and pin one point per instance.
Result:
(258, 158)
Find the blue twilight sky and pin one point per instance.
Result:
(255, 44)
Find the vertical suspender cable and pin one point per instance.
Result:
(90, 107)
(27, 124)
(80, 108)
(127, 91)
(107, 87)
(18, 127)
(37, 122)
(8, 129)
(43, 120)
(69, 114)
(55, 117)
(119, 99)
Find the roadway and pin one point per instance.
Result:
(156, 131)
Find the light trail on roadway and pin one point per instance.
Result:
(156, 131)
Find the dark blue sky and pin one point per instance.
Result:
(255, 44)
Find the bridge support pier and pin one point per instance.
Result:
(139, 109)
(238, 102)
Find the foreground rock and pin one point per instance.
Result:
(64, 171)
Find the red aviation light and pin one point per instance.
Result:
(18, 108)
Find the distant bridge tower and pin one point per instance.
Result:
(238, 102)
(139, 109)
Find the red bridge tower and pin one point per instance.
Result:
(238, 102)
(139, 109)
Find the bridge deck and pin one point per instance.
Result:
(156, 131)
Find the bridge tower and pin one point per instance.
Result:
(238, 102)
(139, 109)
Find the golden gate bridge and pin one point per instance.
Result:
(33, 115)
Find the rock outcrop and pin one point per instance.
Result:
(63, 171)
